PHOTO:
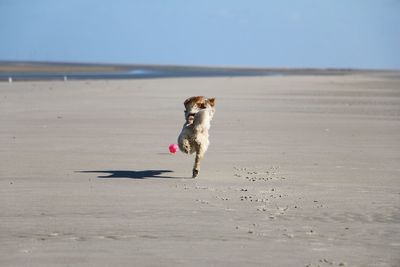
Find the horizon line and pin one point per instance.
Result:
(187, 66)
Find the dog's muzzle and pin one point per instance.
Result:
(190, 117)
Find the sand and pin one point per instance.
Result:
(301, 171)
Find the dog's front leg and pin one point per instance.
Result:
(200, 151)
(196, 167)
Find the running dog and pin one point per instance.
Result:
(199, 112)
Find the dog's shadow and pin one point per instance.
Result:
(133, 174)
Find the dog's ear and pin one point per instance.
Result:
(198, 100)
(187, 101)
(211, 101)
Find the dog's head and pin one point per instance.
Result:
(196, 103)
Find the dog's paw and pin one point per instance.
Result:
(195, 173)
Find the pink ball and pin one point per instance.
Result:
(173, 148)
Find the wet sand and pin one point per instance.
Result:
(301, 171)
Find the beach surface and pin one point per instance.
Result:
(301, 171)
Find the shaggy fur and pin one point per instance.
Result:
(193, 138)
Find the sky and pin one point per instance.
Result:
(261, 33)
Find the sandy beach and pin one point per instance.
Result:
(301, 171)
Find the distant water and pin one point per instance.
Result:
(133, 74)
(27, 71)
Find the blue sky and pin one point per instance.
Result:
(264, 33)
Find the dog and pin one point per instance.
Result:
(193, 138)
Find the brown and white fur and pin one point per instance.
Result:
(193, 138)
